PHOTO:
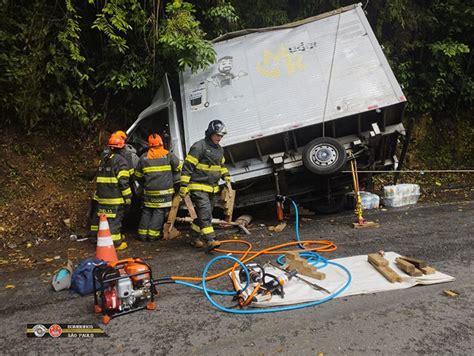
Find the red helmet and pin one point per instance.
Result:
(116, 141)
(154, 140)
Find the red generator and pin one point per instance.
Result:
(123, 287)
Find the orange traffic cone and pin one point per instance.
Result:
(105, 247)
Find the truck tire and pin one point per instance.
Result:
(324, 156)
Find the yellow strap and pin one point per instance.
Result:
(206, 167)
(203, 187)
(222, 160)
(94, 228)
(110, 201)
(180, 166)
(157, 169)
(116, 237)
(196, 228)
(157, 205)
(224, 170)
(185, 179)
(138, 174)
(123, 173)
(142, 231)
(207, 230)
(106, 180)
(191, 159)
(159, 192)
(154, 233)
(131, 171)
(126, 192)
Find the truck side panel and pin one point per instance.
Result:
(272, 82)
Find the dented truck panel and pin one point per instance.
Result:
(280, 89)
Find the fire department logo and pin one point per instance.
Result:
(39, 330)
(55, 330)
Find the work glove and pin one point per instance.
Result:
(183, 191)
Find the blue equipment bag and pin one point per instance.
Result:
(82, 277)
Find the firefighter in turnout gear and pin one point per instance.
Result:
(127, 154)
(154, 172)
(113, 193)
(202, 169)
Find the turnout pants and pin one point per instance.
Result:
(115, 214)
(151, 223)
(203, 204)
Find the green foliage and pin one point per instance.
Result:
(181, 37)
(73, 63)
(429, 44)
(76, 62)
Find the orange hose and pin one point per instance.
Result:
(325, 246)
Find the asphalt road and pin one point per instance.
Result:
(418, 320)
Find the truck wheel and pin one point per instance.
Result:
(324, 156)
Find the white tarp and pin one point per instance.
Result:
(365, 279)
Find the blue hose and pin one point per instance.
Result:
(313, 258)
(270, 310)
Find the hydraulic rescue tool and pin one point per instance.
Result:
(294, 273)
(123, 287)
(264, 284)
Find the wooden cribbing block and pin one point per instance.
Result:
(408, 267)
(169, 231)
(381, 265)
(295, 262)
(415, 261)
(376, 259)
(228, 199)
(388, 273)
(404, 265)
(190, 206)
(428, 270)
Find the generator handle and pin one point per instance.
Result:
(127, 260)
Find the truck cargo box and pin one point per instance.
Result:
(297, 100)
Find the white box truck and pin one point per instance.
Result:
(295, 99)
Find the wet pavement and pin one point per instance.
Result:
(417, 320)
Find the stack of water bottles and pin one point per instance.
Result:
(367, 200)
(401, 195)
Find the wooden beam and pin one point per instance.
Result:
(428, 270)
(377, 260)
(408, 267)
(293, 261)
(381, 265)
(190, 206)
(415, 261)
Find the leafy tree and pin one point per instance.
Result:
(76, 63)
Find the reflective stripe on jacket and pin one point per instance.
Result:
(204, 166)
(113, 180)
(156, 177)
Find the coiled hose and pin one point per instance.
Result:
(310, 253)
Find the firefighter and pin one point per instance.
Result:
(156, 172)
(131, 157)
(113, 192)
(128, 155)
(203, 167)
